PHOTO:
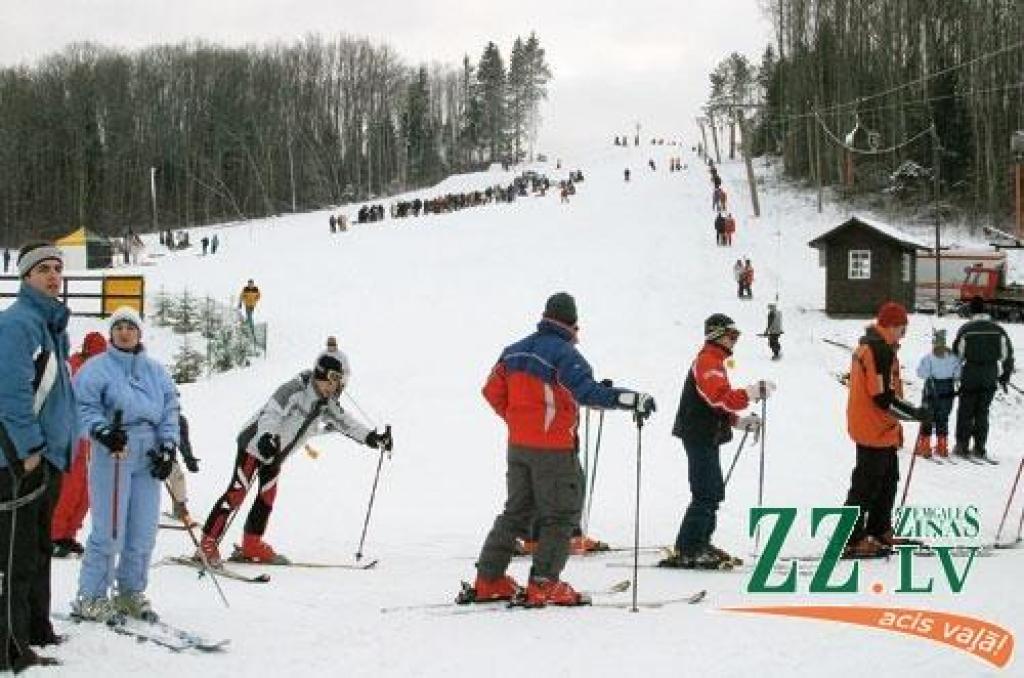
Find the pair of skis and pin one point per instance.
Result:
(263, 578)
(158, 633)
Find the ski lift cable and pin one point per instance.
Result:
(879, 151)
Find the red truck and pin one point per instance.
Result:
(1002, 301)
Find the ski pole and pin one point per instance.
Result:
(760, 479)
(373, 494)
(736, 457)
(1009, 500)
(118, 415)
(910, 474)
(207, 568)
(636, 513)
(1020, 526)
(593, 472)
(367, 417)
(586, 454)
(1016, 388)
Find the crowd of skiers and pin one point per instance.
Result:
(102, 431)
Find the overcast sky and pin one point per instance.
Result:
(614, 63)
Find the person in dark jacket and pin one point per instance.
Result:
(38, 428)
(709, 408)
(773, 330)
(536, 387)
(987, 355)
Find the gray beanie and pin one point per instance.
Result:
(32, 254)
(561, 307)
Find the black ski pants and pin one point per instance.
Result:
(707, 490)
(873, 490)
(545, 486)
(25, 552)
(972, 417)
(246, 466)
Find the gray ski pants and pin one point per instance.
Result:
(542, 485)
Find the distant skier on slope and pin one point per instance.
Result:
(280, 427)
(709, 408)
(536, 387)
(773, 330)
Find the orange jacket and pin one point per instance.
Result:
(875, 393)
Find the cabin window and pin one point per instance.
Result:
(906, 266)
(860, 265)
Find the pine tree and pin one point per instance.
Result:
(490, 76)
(210, 318)
(163, 308)
(535, 87)
(518, 105)
(188, 364)
(186, 314)
(421, 149)
(471, 122)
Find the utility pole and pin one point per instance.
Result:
(703, 135)
(749, 163)
(152, 193)
(938, 235)
(1017, 146)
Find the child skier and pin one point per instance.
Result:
(940, 370)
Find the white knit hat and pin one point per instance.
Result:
(125, 313)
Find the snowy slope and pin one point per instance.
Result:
(423, 307)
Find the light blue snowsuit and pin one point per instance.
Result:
(142, 389)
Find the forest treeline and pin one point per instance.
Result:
(887, 70)
(232, 133)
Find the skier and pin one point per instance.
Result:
(7, 259)
(873, 413)
(708, 409)
(625, 173)
(73, 503)
(737, 274)
(333, 221)
(214, 243)
(205, 243)
(176, 481)
(984, 348)
(282, 425)
(128, 404)
(651, 164)
(720, 229)
(729, 228)
(718, 198)
(536, 387)
(248, 298)
(38, 422)
(940, 369)
(747, 280)
(773, 330)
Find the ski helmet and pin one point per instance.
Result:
(718, 325)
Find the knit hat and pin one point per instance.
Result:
(718, 325)
(126, 314)
(939, 338)
(37, 252)
(892, 314)
(561, 307)
(94, 344)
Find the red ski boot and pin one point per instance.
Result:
(208, 548)
(255, 550)
(583, 544)
(487, 589)
(924, 446)
(541, 592)
(942, 446)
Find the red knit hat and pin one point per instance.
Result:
(892, 314)
(94, 344)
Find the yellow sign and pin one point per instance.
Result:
(123, 290)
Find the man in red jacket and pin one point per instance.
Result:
(73, 503)
(537, 387)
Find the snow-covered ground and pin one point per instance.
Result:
(423, 306)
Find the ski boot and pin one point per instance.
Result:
(924, 446)
(868, 547)
(961, 450)
(255, 550)
(208, 548)
(731, 559)
(542, 591)
(489, 590)
(583, 544)
(98, 609)
(941, 446)
(134, 604)
(677, 560)
(889, 540)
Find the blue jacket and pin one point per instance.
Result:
(35, 347)
(138, 386)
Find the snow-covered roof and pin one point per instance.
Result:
(886, 230)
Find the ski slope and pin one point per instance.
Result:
(423, 307)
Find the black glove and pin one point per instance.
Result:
(645, 406)
(380, 441)
(269, 446)
(607, 382)
(1004, 382)
(114, 438)
(191, 463)
(161, 461)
